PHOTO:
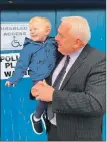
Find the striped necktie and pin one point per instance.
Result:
(56, 85)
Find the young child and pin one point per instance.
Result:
(39, 54)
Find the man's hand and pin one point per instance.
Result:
(42, 91)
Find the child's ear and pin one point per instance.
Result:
(48, 31)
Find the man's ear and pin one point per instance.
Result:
(79, 42)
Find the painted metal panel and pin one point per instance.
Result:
(15, 104)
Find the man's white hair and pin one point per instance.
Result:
(79, 27)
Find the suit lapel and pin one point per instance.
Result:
(77, 64)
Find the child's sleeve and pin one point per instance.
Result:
(22, 65)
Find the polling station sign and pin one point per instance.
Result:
(8, 64)
(13, 35)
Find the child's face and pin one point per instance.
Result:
(38, 31)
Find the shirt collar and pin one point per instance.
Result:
(76, 53)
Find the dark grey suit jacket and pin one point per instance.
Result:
(80, 103)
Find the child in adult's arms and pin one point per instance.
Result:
(39, 54)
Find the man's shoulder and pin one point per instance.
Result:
(98, 53)
(95, 56)
(95, 52)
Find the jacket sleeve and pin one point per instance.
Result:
(22, 65)
(91, 102)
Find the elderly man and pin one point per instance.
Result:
(76, 93)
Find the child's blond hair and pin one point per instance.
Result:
(41, 19)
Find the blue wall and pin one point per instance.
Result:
(15, 104)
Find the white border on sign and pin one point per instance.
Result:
(13, 35)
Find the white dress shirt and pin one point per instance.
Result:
(73, 58)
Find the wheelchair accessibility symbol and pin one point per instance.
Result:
(15, 43)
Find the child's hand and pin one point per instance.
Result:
(9, 83)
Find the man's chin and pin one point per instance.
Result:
(60, 50)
